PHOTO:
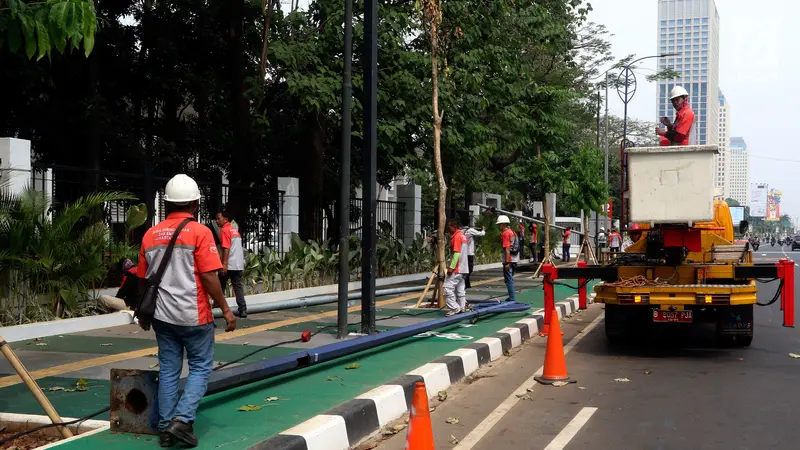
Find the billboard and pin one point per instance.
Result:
(774, 205)
(737, 215)
(758, 199)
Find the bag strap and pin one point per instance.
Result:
(156, 280)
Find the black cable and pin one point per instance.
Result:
(578, 287)
(50, 425)
(767, 281)
(775, 298)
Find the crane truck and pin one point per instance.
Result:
(684, 268)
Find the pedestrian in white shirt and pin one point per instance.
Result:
(471, 233)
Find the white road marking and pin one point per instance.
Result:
(494, 417)
(572, 428)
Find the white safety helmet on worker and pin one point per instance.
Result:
(678, 91)
(502, 219)
(181, 189)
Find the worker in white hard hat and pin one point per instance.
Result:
(183, 321)
(677, 132)
(510, 255)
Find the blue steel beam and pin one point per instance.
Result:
(237, 376)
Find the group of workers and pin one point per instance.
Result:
(183, 321)
(462, 248)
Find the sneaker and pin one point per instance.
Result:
(183, 432)
(452, 312)
(165, 439)
(243, 314)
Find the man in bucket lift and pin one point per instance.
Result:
(677, 133)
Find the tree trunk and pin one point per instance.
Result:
(241, 152)
(433, 14)
(266, 7)
(312, 180)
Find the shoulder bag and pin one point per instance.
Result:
(146, 308)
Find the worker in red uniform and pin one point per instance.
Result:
(677, 133)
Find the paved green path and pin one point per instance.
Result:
(302, 394)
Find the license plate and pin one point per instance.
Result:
(682, 316)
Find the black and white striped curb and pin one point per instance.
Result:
(348, 423)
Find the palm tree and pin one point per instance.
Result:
(48, 260)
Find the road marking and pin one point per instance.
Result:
(108, 359)
(494, 417)
(572, 428)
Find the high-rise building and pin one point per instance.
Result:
(739, 172)
(722, 159)
(691, 29)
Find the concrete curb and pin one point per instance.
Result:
(347, 424)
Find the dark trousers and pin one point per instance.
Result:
(565, 252)
(471, 262)
(238, 289)
(534, 252)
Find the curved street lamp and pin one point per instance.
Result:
(628, 79)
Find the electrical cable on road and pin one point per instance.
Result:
(512, 306)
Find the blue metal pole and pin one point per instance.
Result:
(234, 377)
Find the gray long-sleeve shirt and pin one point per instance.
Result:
(471, 233)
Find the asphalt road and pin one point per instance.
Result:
(691, 397)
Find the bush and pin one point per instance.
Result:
(311, 263)
(49, 260)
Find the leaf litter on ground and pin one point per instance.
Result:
(794, 355)
(442, 396)
(248, 408)
(452, 420)
(453, 440)
(352, 366)
(622, 380)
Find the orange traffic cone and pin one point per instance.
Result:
(420, 430)
(555, 366)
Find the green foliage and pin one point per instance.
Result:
(311, 263)
(50, 258)
(585, 190)
(136, 216)
(37, 27)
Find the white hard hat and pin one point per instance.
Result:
(677, 91)
(502, 219)
(602, 229)
(181, 189)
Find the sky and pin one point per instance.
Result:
(759, 74)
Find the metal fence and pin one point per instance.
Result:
(389, 216)
(258, 225)
(429, 218)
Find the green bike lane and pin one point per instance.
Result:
(301, 394)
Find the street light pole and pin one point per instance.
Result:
(622, 152)
(605, 137)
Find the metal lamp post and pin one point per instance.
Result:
(626, 89)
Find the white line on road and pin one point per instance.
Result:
(494, 417)
(572, 428)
